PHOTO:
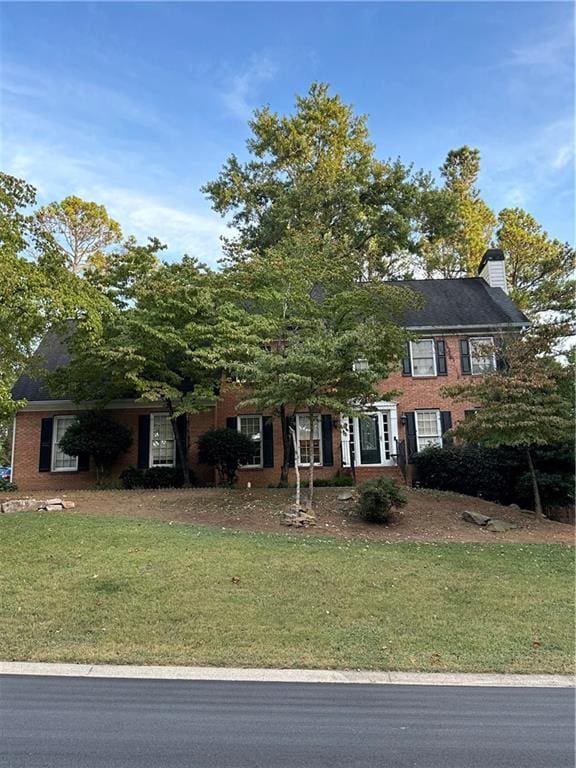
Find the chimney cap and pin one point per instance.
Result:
(492, 254)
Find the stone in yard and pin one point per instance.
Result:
(475, 517)
(53, 507)
(52, 501)
(499, 526)
(21, 505)
(68, 505)
(298, 519)
(346, 495)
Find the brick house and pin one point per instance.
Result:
(456, 334)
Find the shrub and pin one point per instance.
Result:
(378, 498)
(155, 477)
(499, 474)
(6, 485)
(100, 436)
(227, 450)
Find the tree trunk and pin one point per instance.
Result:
(286, 440)
(311, 465)
(535, 489)
(292, 434)
(180, 449)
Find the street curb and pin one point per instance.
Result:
(240, 674)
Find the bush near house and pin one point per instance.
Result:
(227, 450)
(100, 436)
(500, 474)
(378, 498)
(155, 477)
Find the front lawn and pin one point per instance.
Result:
(117, 590)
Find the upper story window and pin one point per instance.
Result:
(423, 357)
(482, 355)
(303, 437)
(62, 462)
(251, 426)
(361, 365)
(162, 442)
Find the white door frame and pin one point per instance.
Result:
(379, 408)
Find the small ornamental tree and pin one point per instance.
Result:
(227, 450)
(99, 435)
(525, 403)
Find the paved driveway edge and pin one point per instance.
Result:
(283, 675)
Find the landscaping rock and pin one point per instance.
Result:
(21, 505)
(346, 495)
(499, 526)
(475, 517)
(298, 519)
(68, 505)
(52, 501)
(53, 507)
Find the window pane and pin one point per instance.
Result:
(428, 429)
(303, 424)
(482, 355)
(163, 444)
(250, 426)
(423, 358)
(60, 459)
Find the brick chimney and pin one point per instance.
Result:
(493, 269)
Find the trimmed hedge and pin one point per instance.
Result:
(500, 474)
(155, 477)
(378, 498)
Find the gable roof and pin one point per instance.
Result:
(52, 353)
(460, 303)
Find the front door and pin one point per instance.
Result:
(369, 429)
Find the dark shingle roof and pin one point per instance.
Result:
(464, 302)
(52, 353)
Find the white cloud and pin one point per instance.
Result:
(551, 52)
(240, 96)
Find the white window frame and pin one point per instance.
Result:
(316, 417)
(55, 448)
(151, 465)
(361, 364)
(427, 437)
(486, 341)
(259, 417)
(423, 375)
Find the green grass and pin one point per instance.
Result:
(87, 589)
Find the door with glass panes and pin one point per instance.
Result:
(373, 445)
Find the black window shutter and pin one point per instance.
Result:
(45, 460)
(144, 441)
(465, 356)
(232, 423)
(411, 441)
(406, 362)
(445, 425)
(83, 462)
(499, 353)
(182, 428)
(441, 364)
(291, 422)
(327, 449)
(267, 442)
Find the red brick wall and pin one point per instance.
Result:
(415, 393)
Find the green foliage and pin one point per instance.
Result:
(100, 436)
(499, 474)
(225, 449)
(82, 231)
(154, 477)
(338, 481)
(540, 271)
(378, 498)
(7, 486)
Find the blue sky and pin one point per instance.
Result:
(136, 105)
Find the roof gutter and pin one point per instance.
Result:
(466, 328)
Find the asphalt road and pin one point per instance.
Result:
(59, 722)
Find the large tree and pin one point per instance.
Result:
(82, 230)
(528, 401)
(316, 170)
(459, 252)
(539, 269)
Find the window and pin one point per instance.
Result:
(251, 426)
(428, 429)
(303, 436)
(162, 443)
(361, 365)
(423, 357)
(61, 462)
(482, 357)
